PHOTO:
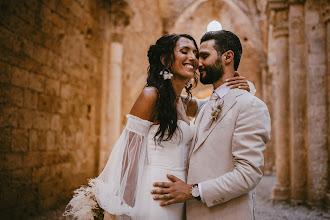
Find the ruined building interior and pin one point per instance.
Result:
(70, 71)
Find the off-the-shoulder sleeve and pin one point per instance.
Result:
(116, 185)
(115, 188)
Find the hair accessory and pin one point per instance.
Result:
(166, 74)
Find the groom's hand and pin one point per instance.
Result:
(175, 192)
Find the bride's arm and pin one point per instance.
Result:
(145, 104)
(114, 190)
(143, 109)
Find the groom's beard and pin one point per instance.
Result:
(213, 72)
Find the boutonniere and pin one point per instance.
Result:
(216, 109)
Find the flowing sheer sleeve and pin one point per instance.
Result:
(116, 185)
(114, 190)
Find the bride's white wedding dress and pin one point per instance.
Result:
(136, 162)
(171, 158)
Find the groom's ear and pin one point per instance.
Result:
(228, 56)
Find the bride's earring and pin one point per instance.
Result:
(166, 74)
(190, 82)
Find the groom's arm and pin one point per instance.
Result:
(250, 136)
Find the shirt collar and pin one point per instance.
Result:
(222, 90)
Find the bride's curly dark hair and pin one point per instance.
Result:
(165, 112)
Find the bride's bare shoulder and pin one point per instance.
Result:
(145, 103)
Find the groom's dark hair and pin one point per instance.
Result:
(224, 41)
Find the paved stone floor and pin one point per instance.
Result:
(265, 208)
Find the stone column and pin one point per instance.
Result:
(117, 19)
(326, 18)
(297, 100)
(267, 95)
(270, 99)
(112, 100)
(317, 88)
(281, 190)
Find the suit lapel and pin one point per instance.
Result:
(228, 102)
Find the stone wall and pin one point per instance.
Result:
(66, 70)
(49, 98)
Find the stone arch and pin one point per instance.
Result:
(241, 22)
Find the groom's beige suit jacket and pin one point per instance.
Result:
(227, 159)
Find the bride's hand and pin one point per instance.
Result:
(238, 81)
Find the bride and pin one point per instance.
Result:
(154, 142)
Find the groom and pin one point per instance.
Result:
(225, 159)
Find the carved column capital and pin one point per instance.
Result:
(117, 37)
(120, 13)
(326, 14)
(294, 2)
(274, 6)
(281, 27)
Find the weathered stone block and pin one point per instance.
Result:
(41, 121)
(42, 175)
(49, 202)
(9, 197)
(20, 77)
(36, 82)
(42, 141)
(56, 123)
(21, 177)
(62, 106)
(5, 139)
(40, 54)
(66, 91)
(57, 106)
(5, 72)
(13, 160)
(8, 116)
(60, 141)
(11, 95)
(50, 140)
(2, 163)
(33, 140)
(45, 103)
(32, 159)
(52, 87)
(30, 99)
(25, 118)
(20, 141)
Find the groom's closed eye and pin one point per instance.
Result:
(203, 55)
